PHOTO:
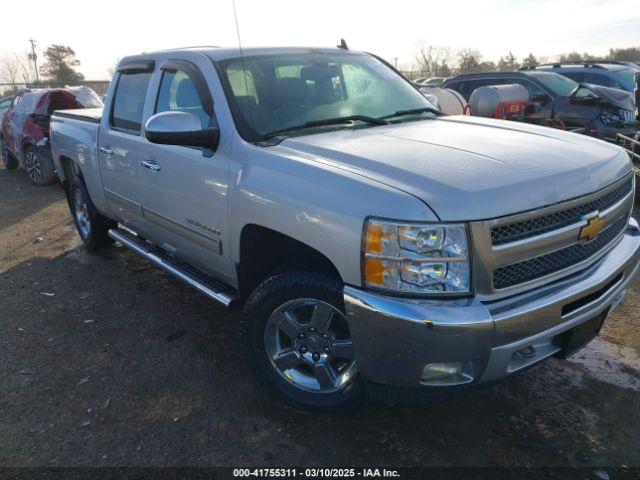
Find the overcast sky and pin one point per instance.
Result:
(101, 32)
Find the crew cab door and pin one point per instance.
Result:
(184, 189)
(119, 141)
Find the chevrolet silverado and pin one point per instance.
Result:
(371, 242)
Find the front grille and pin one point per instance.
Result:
(515, 273)
(547, 223)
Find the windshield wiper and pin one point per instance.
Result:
(326, 122)
(412, 111)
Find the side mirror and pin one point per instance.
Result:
(180, 128)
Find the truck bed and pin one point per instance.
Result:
(74, 135)
(92, 115)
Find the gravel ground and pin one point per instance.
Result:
(108, 361)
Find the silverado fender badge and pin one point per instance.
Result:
(208, 228)
(592, 229)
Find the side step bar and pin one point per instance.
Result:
(198, 280)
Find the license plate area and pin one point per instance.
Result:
(574, 339)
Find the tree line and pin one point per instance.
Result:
(60, 66)
(433, 61)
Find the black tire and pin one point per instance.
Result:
(92, 226)
(263, 302)
(39, 167)
(8, 160)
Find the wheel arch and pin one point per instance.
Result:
(69, 168)
(265, 252)
(24, 145)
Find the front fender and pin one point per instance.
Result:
(317, 204)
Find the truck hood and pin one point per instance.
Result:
(470, 168)
(614, 97)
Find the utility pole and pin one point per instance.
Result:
(34, 58)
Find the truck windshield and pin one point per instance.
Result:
(270, 93)
(558, 84)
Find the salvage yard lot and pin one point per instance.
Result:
(106, 360)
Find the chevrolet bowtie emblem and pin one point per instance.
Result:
(592, 229)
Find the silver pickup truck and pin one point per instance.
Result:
(370, 242)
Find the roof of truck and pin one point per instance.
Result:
(221, 53)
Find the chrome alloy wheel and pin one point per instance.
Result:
(81, 213)
(32, 164)
(308, 343)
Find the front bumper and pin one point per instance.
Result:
(394, 338)
(610, 133)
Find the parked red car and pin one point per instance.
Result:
(24, 129)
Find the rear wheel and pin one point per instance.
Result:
(8, 160)
(39, 167)
(91, 225)
(299, 341)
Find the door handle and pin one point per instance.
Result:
(151, 165)
(106, 150)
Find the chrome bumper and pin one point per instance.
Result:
(394, 338)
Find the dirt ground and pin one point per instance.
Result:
(108, 361)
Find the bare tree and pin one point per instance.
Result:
(10, 70)
(26, 71)
(16, 69)
(470, 60)
(508, 63)
(570, 57)
(433, 61)
(487, 66)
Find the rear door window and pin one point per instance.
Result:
(598, 79)
(128, 102)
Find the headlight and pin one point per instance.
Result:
(416, 258)
(609, 118)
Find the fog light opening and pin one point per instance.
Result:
(447, 374)
(528, 352)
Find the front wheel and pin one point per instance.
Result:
(299, 341)
(8, 160)
(92, 226)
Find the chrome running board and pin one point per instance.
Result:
(198, 280)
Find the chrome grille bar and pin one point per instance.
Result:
(517, 231)
(542, 265)
(532, 260)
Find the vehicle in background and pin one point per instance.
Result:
(5, 103)
(418, 81)
(606, 74)
(372, 243)
(434, 82)
(603, 112)
(24, 132)
(446, 100)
